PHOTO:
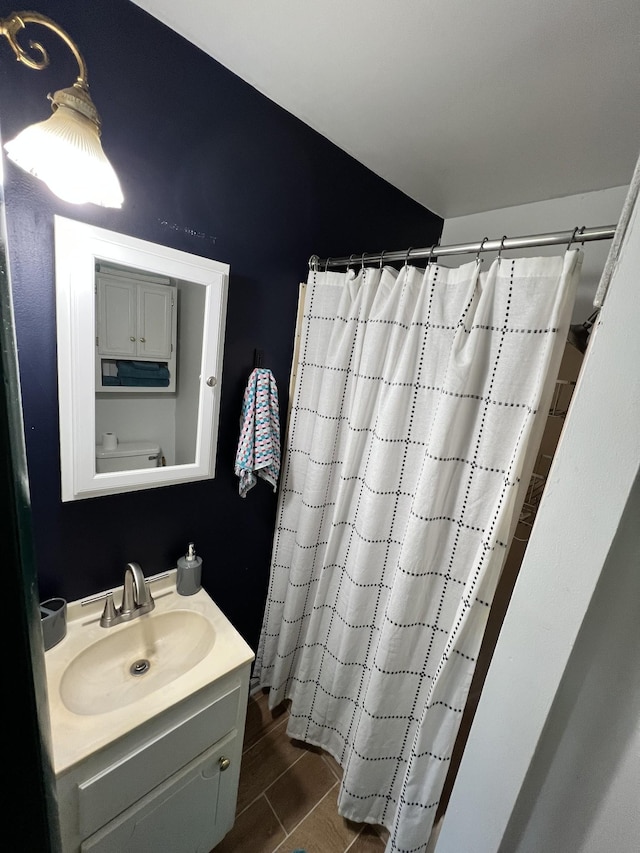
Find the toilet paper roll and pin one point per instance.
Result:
(109, 441)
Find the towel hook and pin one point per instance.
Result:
(572, 238)
(480, 249)
(500, 250)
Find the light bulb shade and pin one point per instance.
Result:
(65, 152)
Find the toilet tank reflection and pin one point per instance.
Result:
(127, 456)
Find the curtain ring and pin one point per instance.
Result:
(571, 239)
(581, 232)
(362, 261)
(382, 257)
(480, 249)
(313, 263)
(504, 237)
(430, 255)
(326, 264)
(349, 264)
(406, 259)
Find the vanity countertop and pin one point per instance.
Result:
(77, 734)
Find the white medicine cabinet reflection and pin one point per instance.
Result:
(140, 332)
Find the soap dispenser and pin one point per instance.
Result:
(189, 572)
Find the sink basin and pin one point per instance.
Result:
(138, 658)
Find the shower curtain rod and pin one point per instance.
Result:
(578, 235)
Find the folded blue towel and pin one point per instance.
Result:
(146, 365)
(143, 382)
(140, 365)
(127, 369)
(143, 375)
(110, 380)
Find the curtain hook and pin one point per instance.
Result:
(406, 259)
(430, 255)
(362, 261)
(313, 263)
(582, 230)
(326, 264)
(349, 264)
(572, 238)
(382, 257)
(480, 249)
(504, 237)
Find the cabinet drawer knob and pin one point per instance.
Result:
(224, 763)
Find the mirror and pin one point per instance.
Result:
(140, 331)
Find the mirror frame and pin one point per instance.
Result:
(78, 247)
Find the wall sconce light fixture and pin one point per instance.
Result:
(64, 150)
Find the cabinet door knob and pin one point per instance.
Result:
(224, 763)
(142, 340)
(132, 339)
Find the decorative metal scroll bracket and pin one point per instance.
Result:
(15, 23)
(75, 97)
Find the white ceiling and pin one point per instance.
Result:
(463, 105)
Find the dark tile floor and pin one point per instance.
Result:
(287, 795)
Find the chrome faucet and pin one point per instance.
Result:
(136, 599)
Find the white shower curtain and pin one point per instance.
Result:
(416, 396)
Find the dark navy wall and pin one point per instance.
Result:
(208, 166)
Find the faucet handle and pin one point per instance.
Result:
(109, 613)
(146, 599)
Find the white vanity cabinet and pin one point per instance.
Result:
(170, 784)
(135, 319)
